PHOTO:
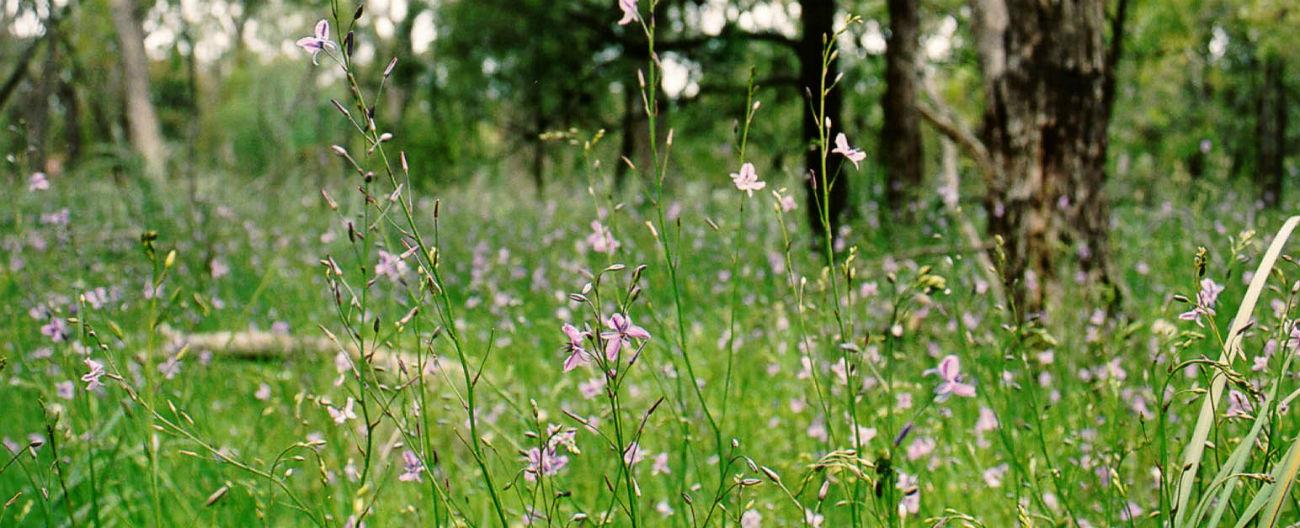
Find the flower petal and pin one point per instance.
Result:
(949, 368)
(612, 347)
(637, 332)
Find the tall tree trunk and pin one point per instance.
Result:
(71, 121)
(142, 120)
(1090, 216)
(818, 19)
(901, 148)
(1281, 117)
(1270, 132)
(38, 106)
(1045, 129)
(19, 72)
(538, 165)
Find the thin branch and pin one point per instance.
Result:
(728, 32)
(969, 231)
(19, 72)
(960, 135)
(1113, 55)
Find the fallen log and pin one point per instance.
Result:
(256, 345)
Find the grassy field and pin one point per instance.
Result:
(349, 349)
(1071, 419)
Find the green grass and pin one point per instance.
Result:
(509, 262)
(795, 380)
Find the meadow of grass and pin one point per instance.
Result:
(678, 352)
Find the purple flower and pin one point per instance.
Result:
(1238, 404)
(787, 204)
(629, 12)
(1205, 300)
(96, 372)
(390, 266)
(950, 379)
(919, 448)
(993, 476)
(842, 148)
(64, 389)
(218, 268)
(910, 504)
(412, 467)
(318, 42)
(56, 330)
(660, 466)
(747, 179)
(544, 462)
(621, 331)
(170, 368)
(342, 415)
(38, 182)
(601, 239)
(591, 388)
(633, 454)
(1293, 340)
(577, 354)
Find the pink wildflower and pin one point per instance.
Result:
(747, 179)
(842, 148)
(950, 379)
(629, 12)
(622, 331)
(412, 467)
(577, 354)
(92, 378)
(318, 42)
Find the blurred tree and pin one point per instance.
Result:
(817, 18)
(1270, 34)
(1271, 130)
(508, 53)
(142, 120)
(900, 138)
(1048, 88)
(548, 80)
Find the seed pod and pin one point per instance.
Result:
(329, 200)
(217, 495)
(340, 108)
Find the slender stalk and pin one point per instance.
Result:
(650, 99)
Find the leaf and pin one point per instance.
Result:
(1194, 451)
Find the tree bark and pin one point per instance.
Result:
(19, 72)
(538, 165)
(1045, 126)
(901, 147)
(142, 120)
(1090, 220)
(38, 106)
(818, 20)
(1270, 132)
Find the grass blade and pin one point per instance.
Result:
(1195, 448)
